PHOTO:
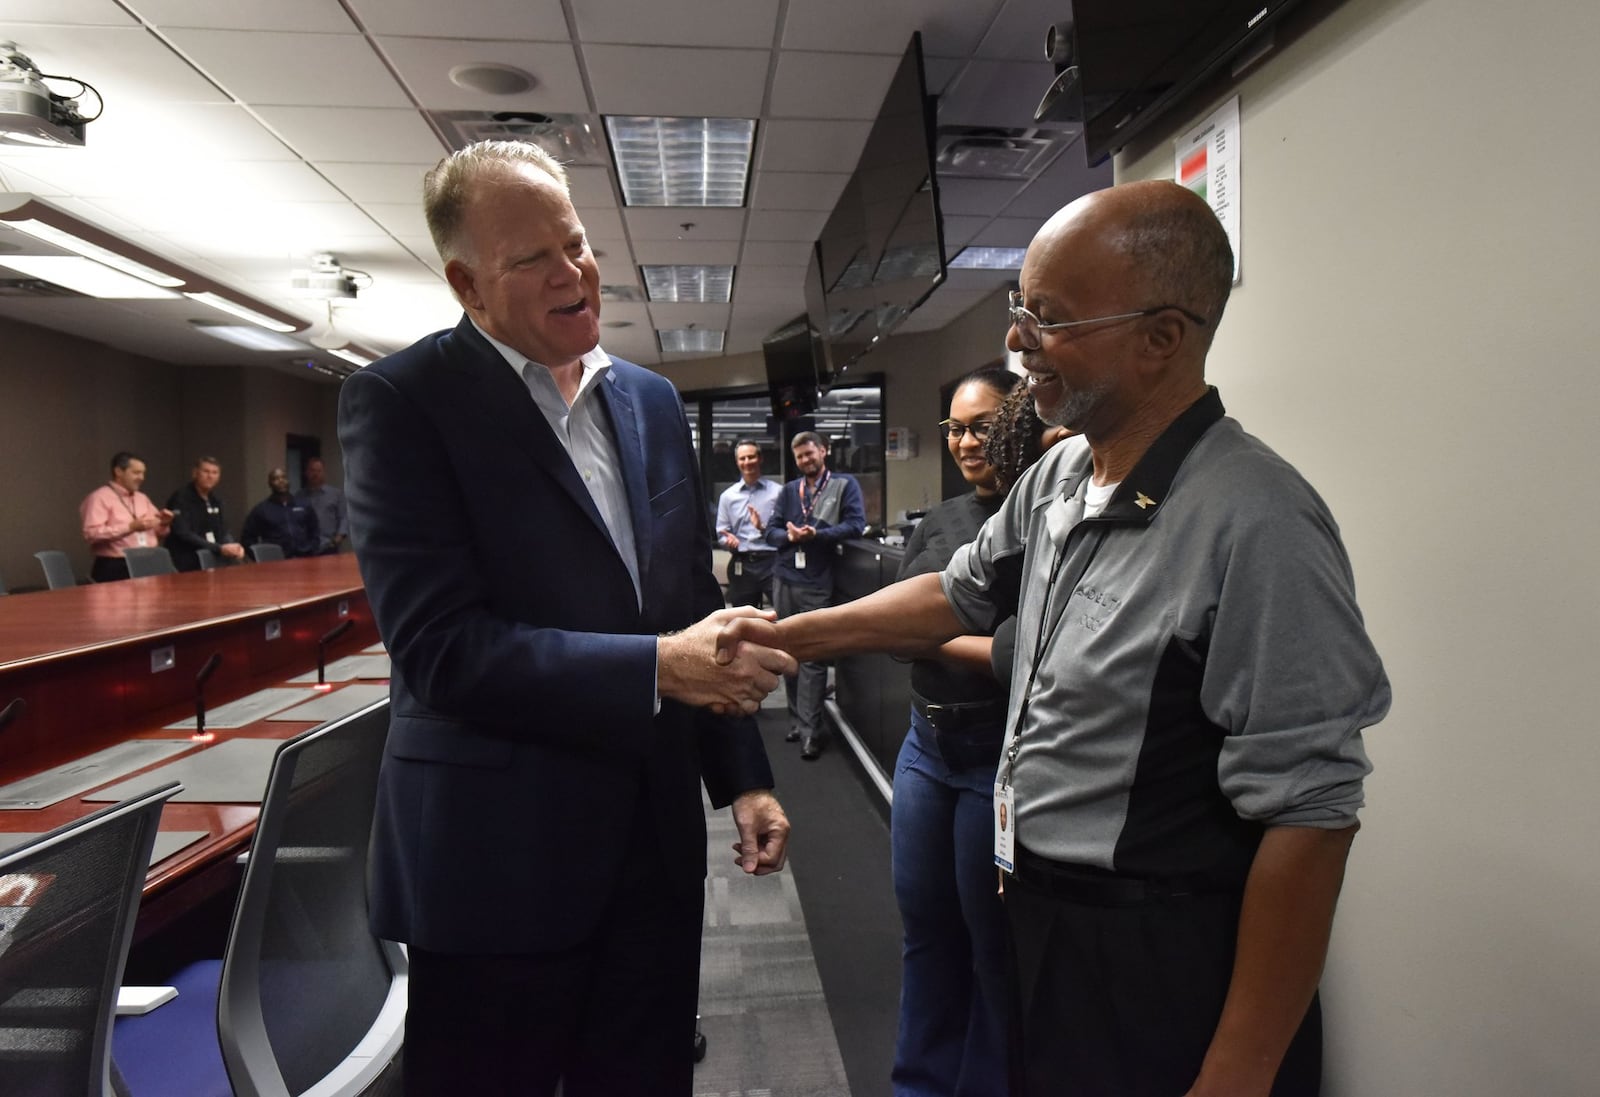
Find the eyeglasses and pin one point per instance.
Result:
(955, 428)
(1029, 326)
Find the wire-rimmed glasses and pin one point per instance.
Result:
(1030, 326)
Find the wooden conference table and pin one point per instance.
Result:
(103, 664)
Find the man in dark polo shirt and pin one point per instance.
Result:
(197, 520)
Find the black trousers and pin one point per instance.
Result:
(1122, 1000)
(108, 569)
(613, 1016)
(750, 578)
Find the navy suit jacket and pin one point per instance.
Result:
(523, 730)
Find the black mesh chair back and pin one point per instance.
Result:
(3, 590)
(147, 561)
(309, 997)
(67, 904)
(57, 569)
(207, 558)
(264, 552)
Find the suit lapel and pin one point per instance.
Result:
(620, 405)
(506, 405)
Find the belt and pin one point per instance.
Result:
(960, 715)
(1097, 887)
(750, 553)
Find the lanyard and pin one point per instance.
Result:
(807, 509)
(1044, 636)
(125, 502)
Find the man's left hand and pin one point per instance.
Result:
(763, 832)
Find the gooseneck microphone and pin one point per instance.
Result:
(201, 735)
(322, 650)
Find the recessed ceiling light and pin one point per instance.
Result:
(353, 357)
(84, 276)
(489, 78)
(989, 258)
(248, 337)
(690, 339)
(66, 240)
(621, 293)
(704, 284)
(682, 161)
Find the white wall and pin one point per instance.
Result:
(1413, 331)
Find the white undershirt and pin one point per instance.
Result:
(1096, 498)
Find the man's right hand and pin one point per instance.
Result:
(144, 522)
(730, 542)
(232, 550)
(692, 667)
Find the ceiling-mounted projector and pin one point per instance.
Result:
(326, 280)
(32, 114)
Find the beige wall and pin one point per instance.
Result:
(1420, 259)
(66, 405)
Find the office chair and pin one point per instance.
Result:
(69, 900)
(207, 558)
(147, 561)
(309, 1001)
(263, 552)
(57, 569)
(3, 590)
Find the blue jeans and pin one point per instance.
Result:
(951, 1039)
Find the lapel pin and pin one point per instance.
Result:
(1141, 500)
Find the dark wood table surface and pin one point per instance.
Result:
(84, 662)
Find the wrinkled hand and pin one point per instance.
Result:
(763, 832)
(691, 668)
(760, 630)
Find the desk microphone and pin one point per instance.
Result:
(11, 712)
(201, 735)
(322, 650)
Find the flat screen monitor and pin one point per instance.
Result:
(1137, 58)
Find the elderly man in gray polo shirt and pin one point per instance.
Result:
(1192, 676)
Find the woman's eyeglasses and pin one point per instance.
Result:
(955, 428)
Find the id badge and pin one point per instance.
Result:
(140, 538)
(800, 559)
(1005, 826)
(738, 567)
(212, 537)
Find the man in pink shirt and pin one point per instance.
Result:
(117, 515)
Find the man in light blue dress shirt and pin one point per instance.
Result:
(743, 512)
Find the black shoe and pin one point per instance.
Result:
(793, 736)
(811, 748)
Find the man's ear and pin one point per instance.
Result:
(1165, 334)
(464, 284)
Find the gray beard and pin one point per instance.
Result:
(1075, 406)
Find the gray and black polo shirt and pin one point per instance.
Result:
(1191, 665)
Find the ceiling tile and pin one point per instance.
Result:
(677, 83)
(830, 85)
(513, 19)
(377, 182)
(183, 132)
(674, 314)
(591, 188)
(130, 66)
(797, 190)
(603, 224)
(678, 22)
(1007, 232)
(959, 231)
(777, 253)
(424, 64)
(803, 225)
(281, 15)
(976, 196)
(69, 12)
(950, 28)
(755, 277)
(399, 218)
(1067, 177)
(330, 70)
(686, 251)
(355, 134)
(1019, 34)
(996, 93)
(667, 223)
(798, 145)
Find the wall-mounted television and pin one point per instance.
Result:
(1138, 58)
(881, 251)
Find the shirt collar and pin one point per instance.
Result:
(596, 363)
(1145, 488)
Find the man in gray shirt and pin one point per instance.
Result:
(1184, 759)
(327, 502)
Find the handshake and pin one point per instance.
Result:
(727, 662)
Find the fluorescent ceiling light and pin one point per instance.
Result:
(219, 302)
(62, 239)
(713, 284)
(682, 161)
(83, 276)
(989, 258)
(249, 338)
(353, 357)
(691, 339)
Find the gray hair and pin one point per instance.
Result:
(447, 188)
(1181, 253)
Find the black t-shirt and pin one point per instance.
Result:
(946, 528)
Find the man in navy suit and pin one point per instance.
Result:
(529, 523)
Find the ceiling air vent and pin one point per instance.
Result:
(967, 152)
(570, 138)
